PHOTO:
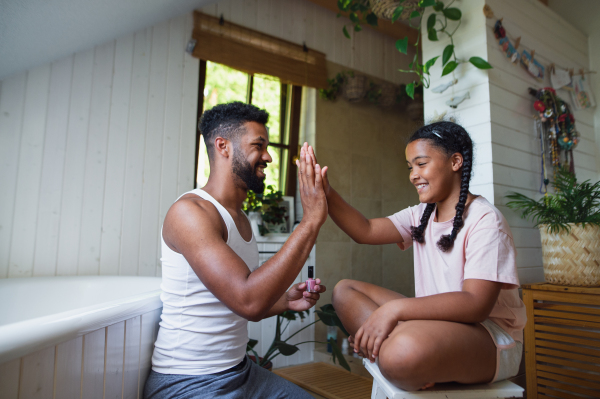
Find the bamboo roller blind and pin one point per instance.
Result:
(254, 52)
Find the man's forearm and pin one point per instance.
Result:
(279, 307)
(277, 274)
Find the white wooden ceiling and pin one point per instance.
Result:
(35, 32)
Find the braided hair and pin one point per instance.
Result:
(451, 139)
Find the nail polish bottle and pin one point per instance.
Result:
(311, 282)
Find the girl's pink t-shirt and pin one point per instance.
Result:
(483, 250)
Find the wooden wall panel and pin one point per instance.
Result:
(74, 171)
(131, 358)
(29, 172)
(113, 368)
(95, 161)
(94, 346)
(136, 141)
(12, 100)
(48, 223)
(68, 367)
(150, 224)
(37, 375)
(9, 379)
(187, 143)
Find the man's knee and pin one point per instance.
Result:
(339, 291)
(401, 360)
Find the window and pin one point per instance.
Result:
(221, 84)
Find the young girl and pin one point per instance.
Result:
(466, 322)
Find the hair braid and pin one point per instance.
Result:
(447, 241)
(451, 138)
(417, 232)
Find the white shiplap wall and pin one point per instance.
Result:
(93, 149)
(499, 113)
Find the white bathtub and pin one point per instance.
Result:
(77, 337)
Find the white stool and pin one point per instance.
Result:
(383, 389)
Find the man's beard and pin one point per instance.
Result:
(247, 173)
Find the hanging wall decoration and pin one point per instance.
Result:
(559, 77)
(531, 65)
(558, 136)
(581, 93)
(508, 48)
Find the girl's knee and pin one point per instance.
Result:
(340, 289)
(402, 360)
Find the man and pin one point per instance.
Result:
(212, 284)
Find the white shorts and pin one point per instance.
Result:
(508, 351)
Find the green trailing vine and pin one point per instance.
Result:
(436, 25)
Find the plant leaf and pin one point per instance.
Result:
(397, 13)
(447, 53)
(402, 45)
(426, 3)
(329, 317)
(357, 28)
(451, 66)
(432, 35)
(286, 349)
(410, 90)
(372, 19)
(439, 6)
(337, 354)
(346, 32)
(353, 17)
(344, 4)
(431, 21)
(414, 14)
(452, 13)
(251, 344)
(429, 64)
(480, 63)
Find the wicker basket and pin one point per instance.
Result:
(384, 9)
(572, 258)
(356, 88)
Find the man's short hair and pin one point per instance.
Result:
(227, 121)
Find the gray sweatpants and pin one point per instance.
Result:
(244, 381)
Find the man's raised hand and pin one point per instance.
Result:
(312, 195)
(324, 170)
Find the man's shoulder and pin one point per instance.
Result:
(193, 210)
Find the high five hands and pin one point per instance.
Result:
(312, 193)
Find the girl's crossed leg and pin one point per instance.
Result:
(419, 353)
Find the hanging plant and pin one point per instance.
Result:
(360, 13)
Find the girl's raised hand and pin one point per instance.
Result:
(370, 336)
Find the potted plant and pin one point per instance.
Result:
(280, 346)
(252, 207)
(569, 223)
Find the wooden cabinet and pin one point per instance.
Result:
(562, 341)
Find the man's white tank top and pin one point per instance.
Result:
(198, 334)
